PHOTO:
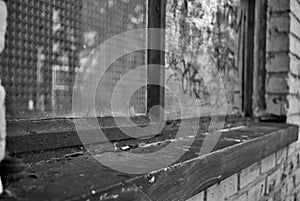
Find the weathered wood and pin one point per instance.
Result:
(188, 176)
(259, 77)
(249, 49)
(27, 135)
(38, 135)
(241, 52)
(155, 93)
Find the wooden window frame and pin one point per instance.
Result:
(52, 129)
(157, 20)
(252, 66)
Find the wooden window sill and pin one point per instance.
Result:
(237, 149)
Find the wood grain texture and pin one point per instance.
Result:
(236, 150)
(155, 93)
(248, 59)
(38, 135)
(260, 38)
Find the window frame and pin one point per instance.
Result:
(252, 65)
(155, 94)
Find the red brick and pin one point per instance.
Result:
(198, 197)
(249, 175)
(289, 186)
(297, 176)
(294, 105)
(297, 193)
(294, 87)
(294, 64)
(268, 163)
(294, 44)
(214, 193)
(278, 195)
(229, 186)
(277, 84)
(278, 62)
(279, 23)
(273, 181)
(281, 155)
(238, 197)
(276, 104)
(278, 42)
(279, 5)
(257, 191)
(294, 119)
(291, 149)
(295, 25)
(295, 7)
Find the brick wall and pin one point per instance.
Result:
(277, 177)
(283, 59)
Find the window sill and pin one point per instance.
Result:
(190, 175)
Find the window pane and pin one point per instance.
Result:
(202, 36)
(47, 42)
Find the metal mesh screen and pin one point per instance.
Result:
(46, 43)
(202, 36)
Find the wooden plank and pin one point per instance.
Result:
(241, 51)
(129, 192)
(190, 178)
(187, 177)
(155, 93)
(38, 135)
(249, 48)
(259, 77)
(27, 136)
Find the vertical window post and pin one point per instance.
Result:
(248, 59)
(259, 77)
(156, 19)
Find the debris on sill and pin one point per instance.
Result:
(76, 154)
(66, 156)
(233, 140)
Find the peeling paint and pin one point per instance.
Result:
(232, 129)
(152, 179)
(108, 197)
(130, 189)
(232, 139)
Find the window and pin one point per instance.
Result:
(48, 42)
(204, 37)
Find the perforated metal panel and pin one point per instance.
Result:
(46, 43)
